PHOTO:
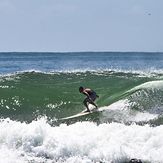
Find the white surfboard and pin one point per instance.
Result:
(85, 113)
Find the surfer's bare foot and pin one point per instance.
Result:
(87, 111)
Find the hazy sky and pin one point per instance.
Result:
(81, 25)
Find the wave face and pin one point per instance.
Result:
(25, 96)
(32, 103)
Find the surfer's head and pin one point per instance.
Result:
(81, 89)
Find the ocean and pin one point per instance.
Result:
(38, 89)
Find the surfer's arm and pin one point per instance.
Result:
(86, 93)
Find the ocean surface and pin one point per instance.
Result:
(38, 89)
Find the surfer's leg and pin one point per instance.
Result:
(85, 103)
(94, 104)
(93, 97)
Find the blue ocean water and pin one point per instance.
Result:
(38, 89)
(47, 62)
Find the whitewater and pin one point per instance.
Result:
(38, 89)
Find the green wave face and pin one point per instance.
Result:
(26, 96)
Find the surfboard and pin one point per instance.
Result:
(85, 113)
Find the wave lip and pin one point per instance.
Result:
(139, 73)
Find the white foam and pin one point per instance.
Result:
(82, 142)
(149, 85)
(121, 111)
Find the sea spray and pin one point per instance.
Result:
(82, 141)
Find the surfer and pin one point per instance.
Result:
(91, 97)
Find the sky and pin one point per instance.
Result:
(81, 25)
